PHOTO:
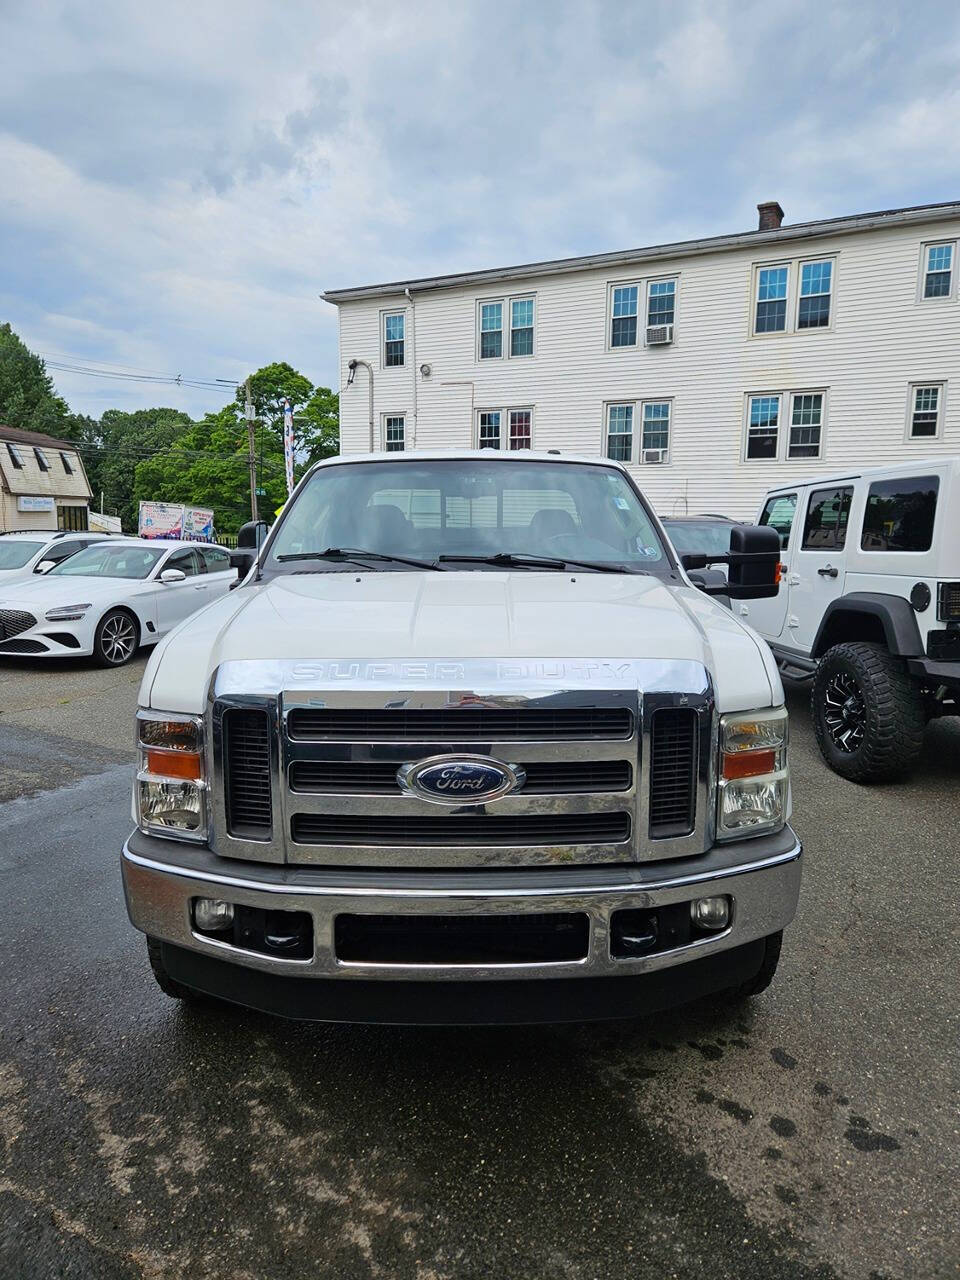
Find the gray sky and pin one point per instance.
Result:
(179, 182)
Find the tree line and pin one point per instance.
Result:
(165, 455)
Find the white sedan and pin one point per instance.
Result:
(110, 598)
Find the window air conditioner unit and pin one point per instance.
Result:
(654, 455)
(659, 335)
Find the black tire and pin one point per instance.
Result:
(117, 638)
(764, 975)
(169, 986)
(868, 714)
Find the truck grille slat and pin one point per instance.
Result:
(465, 830)
(247, 751)
(379, 777)
(673, 772)
(459, 724)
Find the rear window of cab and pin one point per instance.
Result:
(899, 514)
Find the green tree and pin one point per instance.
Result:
(207, 466)
(28, 399)
(316, 411)
(115, 447)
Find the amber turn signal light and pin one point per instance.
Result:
(174, 764)
(749, 764)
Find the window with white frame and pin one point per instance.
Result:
(394, 325)
(806, 424)
(938, 270)
(620, 432)
(521, 326)
(488, 429)
(816, 283)
(517, 315)
(15, 456)
(519, 428)
(624, 301)
(394, 425)
(491, 330)
(926, 407)
(763, 426)
(67, 465)
(656, 427)
(661, 302)
(771, 301)
(41, 458)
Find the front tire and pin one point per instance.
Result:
(764, 975)
(117, 638)
(868, 714)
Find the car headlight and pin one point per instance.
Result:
(754, 778)
(66, 612)
(171, 786)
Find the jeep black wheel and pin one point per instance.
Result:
(868, 713)
(764, 975)
(116, 639)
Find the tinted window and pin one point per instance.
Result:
(60, 550)
(827, 516)
(217, 560)
(187, 562)
(899, 514)
(778, 513)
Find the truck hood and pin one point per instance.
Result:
(461, 615)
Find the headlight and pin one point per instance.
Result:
(171, 787)
(66, 612)
(754, 776)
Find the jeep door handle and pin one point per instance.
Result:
(828, 571)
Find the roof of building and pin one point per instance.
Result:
(845, 225)
(18, 436)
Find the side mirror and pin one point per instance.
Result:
(253, 534)
(753, 564)
(170, 576)
(242, 561)
(44, 566)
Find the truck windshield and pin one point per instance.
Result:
(469, 507)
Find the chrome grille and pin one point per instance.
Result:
(249, 802)
(673, 772)
(465, 830)
(379, 777)
(458, 724)
(13, 621)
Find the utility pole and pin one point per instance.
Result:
(251, 451)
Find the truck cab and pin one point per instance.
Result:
(869, 607)
(467, 744)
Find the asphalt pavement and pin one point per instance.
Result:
(813, 1133)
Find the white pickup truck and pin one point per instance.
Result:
(467, 744)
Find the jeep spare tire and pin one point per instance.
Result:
(868, 713)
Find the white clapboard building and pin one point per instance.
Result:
(715, 368)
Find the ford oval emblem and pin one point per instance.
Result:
(460, 779)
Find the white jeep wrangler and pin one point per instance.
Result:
(465, 745)
(869, 608)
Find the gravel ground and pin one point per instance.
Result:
(814, 1133)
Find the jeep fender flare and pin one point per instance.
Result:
(894, 614)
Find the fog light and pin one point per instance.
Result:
(211, 915)
(710, 913)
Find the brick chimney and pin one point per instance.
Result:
(771, 215)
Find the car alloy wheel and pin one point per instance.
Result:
(844, 712)
(118, 638)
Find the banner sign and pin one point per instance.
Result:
(160, 520)
(288, 443)
(197, 524)
(28, 502)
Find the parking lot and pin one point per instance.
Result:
(813, 1133)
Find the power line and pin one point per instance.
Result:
(61, 363)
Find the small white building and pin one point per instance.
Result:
(715, 368)
(43, 484)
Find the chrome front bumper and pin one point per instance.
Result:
(762, 876)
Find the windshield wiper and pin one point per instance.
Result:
(520, 560)
(356, 554)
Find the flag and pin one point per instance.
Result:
(288, 443)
